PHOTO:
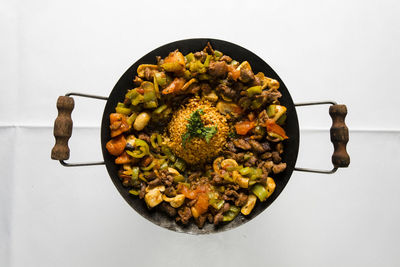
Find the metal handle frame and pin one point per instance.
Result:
(82, 164)
(309, 169)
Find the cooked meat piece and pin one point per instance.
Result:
(208, 49)
(226, 58)
(268, 165)
(241, 200)
(251, 161)
(146, 161)
(201, 220)
(242, 144)
(168, 209)
(194, 176)
(270, 96)
(218, 218)
(218, 69)
(144, 137)
(170, 191)
(266, 155)
(184, 215)
(137, 81)
(150, 176)
(191, 203)
(155, 182)
(206, 88)
(239, 157)
(127, 101)
(279, 148)
(233, 187)
(266, 146)
(230, 195)
(263, 117)
(231, 147)
(256, 146)
(142, 190)
(275, 157)
(226, 91)
(200, 55)
(167, 180)
(225, 207)
(263, 179)
(194, 88)
(217, 180)
(256, 81)
(279, 168)
(210, 218)
(148, 74)
(238, 86)
(246, 75)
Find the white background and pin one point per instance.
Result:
(346, 51)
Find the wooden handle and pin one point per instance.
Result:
(339, 136)
(63, 128)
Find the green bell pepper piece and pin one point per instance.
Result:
(231, 214)
(260, 191)
(254, 90)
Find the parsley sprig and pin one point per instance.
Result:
(195, 128)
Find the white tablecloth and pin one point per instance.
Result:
(347, 51)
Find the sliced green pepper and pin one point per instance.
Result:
(160, 109)
(189, 57)
(180, 164)
(217, 54)
(142, 149)
(256, 103)
(254, 90)
(245, 171)
(256, 173)
(164, 166)
(197, 66)
(122, 109)
(207, 61)
(179, 178)
(155, 140)
(156, 88)
(135, 173)
(151, 166)
(134, 192)
(282, 119)
(132, 118)
(216, 203)
(137, 99)
(160, 78)
(231, 213)
(260, 191)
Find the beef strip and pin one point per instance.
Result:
(218, 69)
(142, 192)
(256, 146)
(206, 88)
(242, 144)
(201, 220)
(184, 214)
(246, 75)
(251, 161)
(231, 147)
(226, 90)
(168, 209)
(263, 117)
(144, 137)
(226, 58)
(266, 155)
(241, 200)
(279, 168)
(275, 157)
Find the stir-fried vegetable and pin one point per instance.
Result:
(246, 136)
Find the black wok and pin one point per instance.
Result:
(63, 131)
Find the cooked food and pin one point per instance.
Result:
(199, 136)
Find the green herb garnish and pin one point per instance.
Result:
(195, 128)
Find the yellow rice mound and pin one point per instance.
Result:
(197, 150)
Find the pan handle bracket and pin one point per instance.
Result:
(339, 136)
(63, 129)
